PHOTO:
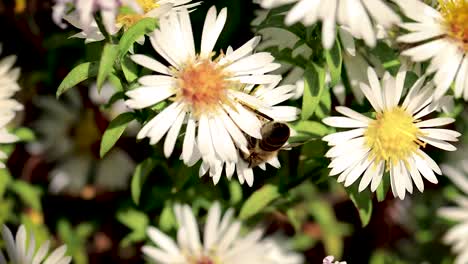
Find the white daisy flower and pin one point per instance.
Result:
(9, 106)
(132, 11)
(442, 37)
(20, 252)
(457, 236)
(330, 260)
(360, 16)
(222, 242)
(214, 96)
(69, 137)
(83, 11)
(392, 141)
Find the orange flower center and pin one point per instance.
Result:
(202, 85)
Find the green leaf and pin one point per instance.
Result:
(330, 228)
(109, 54)
(129, 69)
(311, 127)
(235, 189)
(334, 62)
(382, 189)
(314, 81)
(133, 219)
(167, 220)
(24, 134)
(259, 200)
(142, 170)
(144, 26)
(5, 179)
(114, 131)
(29, 194)
(78, 74)
(362, 201)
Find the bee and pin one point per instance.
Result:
(274, 136)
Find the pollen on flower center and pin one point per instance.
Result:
(455, 14)
(148, 5)
(392, 136)
(202, 85)
(129, 19)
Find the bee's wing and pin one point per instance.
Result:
(288, 145)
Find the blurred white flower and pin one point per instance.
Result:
(218, 98)
(360, 16)
(370, 147)
(222, 242)
(9, 106)
(440, 36)
(115, 14)
(457, 236)
(69, 137)
(20, 252)
(118, 107)
(330, 260)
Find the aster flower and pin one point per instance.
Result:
(457, 236)
(222, 242)
(84, 10)
(330, 260)
(120, 14)
(20, 252)
(360, 16)
(217, 97)
(68, 137)
(8, 87)
(440, 36)
(370, 147)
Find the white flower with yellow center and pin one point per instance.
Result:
(22, 250)
(457, 236)
(216, 97)
(441, 36)
(131, 12)
(9, 106)
(392, 141)
(223, 242)
(359, 16)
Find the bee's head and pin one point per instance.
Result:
(274, 135)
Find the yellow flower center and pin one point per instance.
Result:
(202, 85)
(129, 19)
(148, 5)
(455, 14)
(393, 136)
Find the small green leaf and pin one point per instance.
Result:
(129, 69)
(362, 201)
(24, 134)
(314, 81)
(144, 26)
(334, 62)
(235, 189)
(133, 219)
(78, 74)
(114, 131)
(109, 54)
(311, 127)
(142, 170)
(167, 220)
(259, 200)
(29, 194)
(382, 189)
